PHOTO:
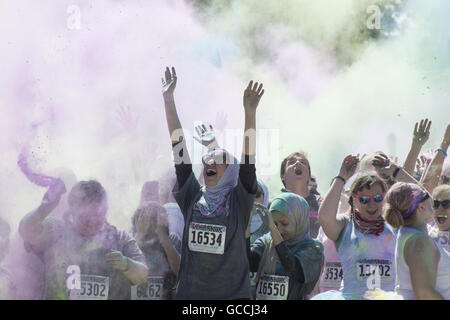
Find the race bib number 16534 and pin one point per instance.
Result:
(207, 238)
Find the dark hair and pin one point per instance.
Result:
(365, 181)
(289, 157)
(86, 192)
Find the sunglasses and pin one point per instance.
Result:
(445, 204)
(366, 199)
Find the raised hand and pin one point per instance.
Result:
(206, 136)
(421, 132)
(348, 167)
(252, 95)
(422, 162)
(126, 118)
(162, 225)
(169, 83)
(383, 165)
(53, 195)
(264, 213)
(143, 223)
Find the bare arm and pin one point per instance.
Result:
(430, 177)
(331, 225)
(422, 258)
(420, 137)
(385, 167)
(173, 122)
(31, 226)
(252, 96)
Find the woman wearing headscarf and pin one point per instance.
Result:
(287, 260)
(213, 250)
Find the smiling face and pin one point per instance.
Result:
(214, 166)
(441, 214)
(285, 225)
(372, 209)
(297, 170)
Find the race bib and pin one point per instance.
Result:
(92, 288)
(207, 238)
(151, 290)
(272, 287)
(332, 275)
(444, 239)
(367, 267)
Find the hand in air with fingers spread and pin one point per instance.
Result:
(169, 83)
(421, 132)
(206, 136)
(252, 96)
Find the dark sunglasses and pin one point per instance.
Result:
(445, 204)
(366, 199)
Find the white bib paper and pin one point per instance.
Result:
(92, 288)
(444, 239)
(271, 287)
(332, 274)
(366, 268)
(151, 290)
(207, 238)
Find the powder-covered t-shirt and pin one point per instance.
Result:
(220, 276)
(62, 246)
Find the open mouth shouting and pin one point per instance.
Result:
(441, 218)
(298, 171)
(211, 172)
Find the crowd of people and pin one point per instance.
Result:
(223, 236)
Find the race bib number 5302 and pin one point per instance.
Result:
(207, 238)
(92, 288)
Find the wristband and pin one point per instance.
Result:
(443, 151)
(338, 177)
(128, 265)
(396, 171)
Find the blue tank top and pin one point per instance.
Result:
(368, 261)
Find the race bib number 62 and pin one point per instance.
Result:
(151, 290)
(207, 238)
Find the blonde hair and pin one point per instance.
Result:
(400, 199)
